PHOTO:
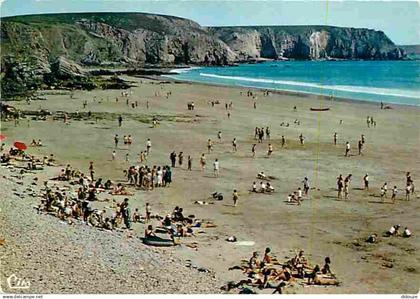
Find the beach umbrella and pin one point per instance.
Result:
(2, 137)
(20, 145)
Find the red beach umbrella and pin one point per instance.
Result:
(20, 145)
(2, 137)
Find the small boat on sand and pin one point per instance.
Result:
(320, 109)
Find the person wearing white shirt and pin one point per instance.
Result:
(216, 167)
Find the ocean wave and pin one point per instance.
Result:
(184, 70)
(345, 88)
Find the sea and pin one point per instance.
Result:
(395, 82)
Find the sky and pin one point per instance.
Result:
(399, 19)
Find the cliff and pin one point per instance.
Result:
(52, 50)
(307, 42)
(138, 38)
(113, 38)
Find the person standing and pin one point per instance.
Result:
(385, 188)
(203, 162)
(253, 150)
(335, 138)
(148, 213)
(189, 163)
(209, 146)
(360, 147)
(172, 157)
(394, 194)
(267, 133)
(126, 212)
(234, 145)
(91, 170)
(306, 186)
(347, 149)
(235, 197)
(366, 181)
(219, 136)
(347, 186)
(270, 149)
(283, 141)
(116, 139)
(148, 145)
(120, 119)
(216, 167)
(340, 185)
(113, 155)
(180, 158)
(301, 139)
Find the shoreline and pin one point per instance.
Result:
(300, 94)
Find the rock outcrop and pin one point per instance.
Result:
(307, 42)
(136, 39)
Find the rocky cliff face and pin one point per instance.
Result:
(307, 42)
(137, 39)
(114, 38)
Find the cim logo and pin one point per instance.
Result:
(15, 282)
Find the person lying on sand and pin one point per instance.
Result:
(261, 175)
(269, 188)
(120, 190)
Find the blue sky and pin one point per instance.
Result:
(400, 20)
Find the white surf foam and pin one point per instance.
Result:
(184, 70)
(345, 88)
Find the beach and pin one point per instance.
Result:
(323, 225)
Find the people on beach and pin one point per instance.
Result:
(209, 146)
(234, 145)
(189, 162)
(253, 150)
(203, 162)
(270, 149)
(347, 153)
(366, 182)
(394, 194)
(116, 139)
(172, 157)
(360, 147)
(235, 197)
(148, 145)
(216, 166)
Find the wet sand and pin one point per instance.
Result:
(323, 225)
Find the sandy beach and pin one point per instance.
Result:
(323, 225)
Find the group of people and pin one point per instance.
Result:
(268, 272)
(261, 132)
(264, 187)
(149, 178)
(409, 188)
